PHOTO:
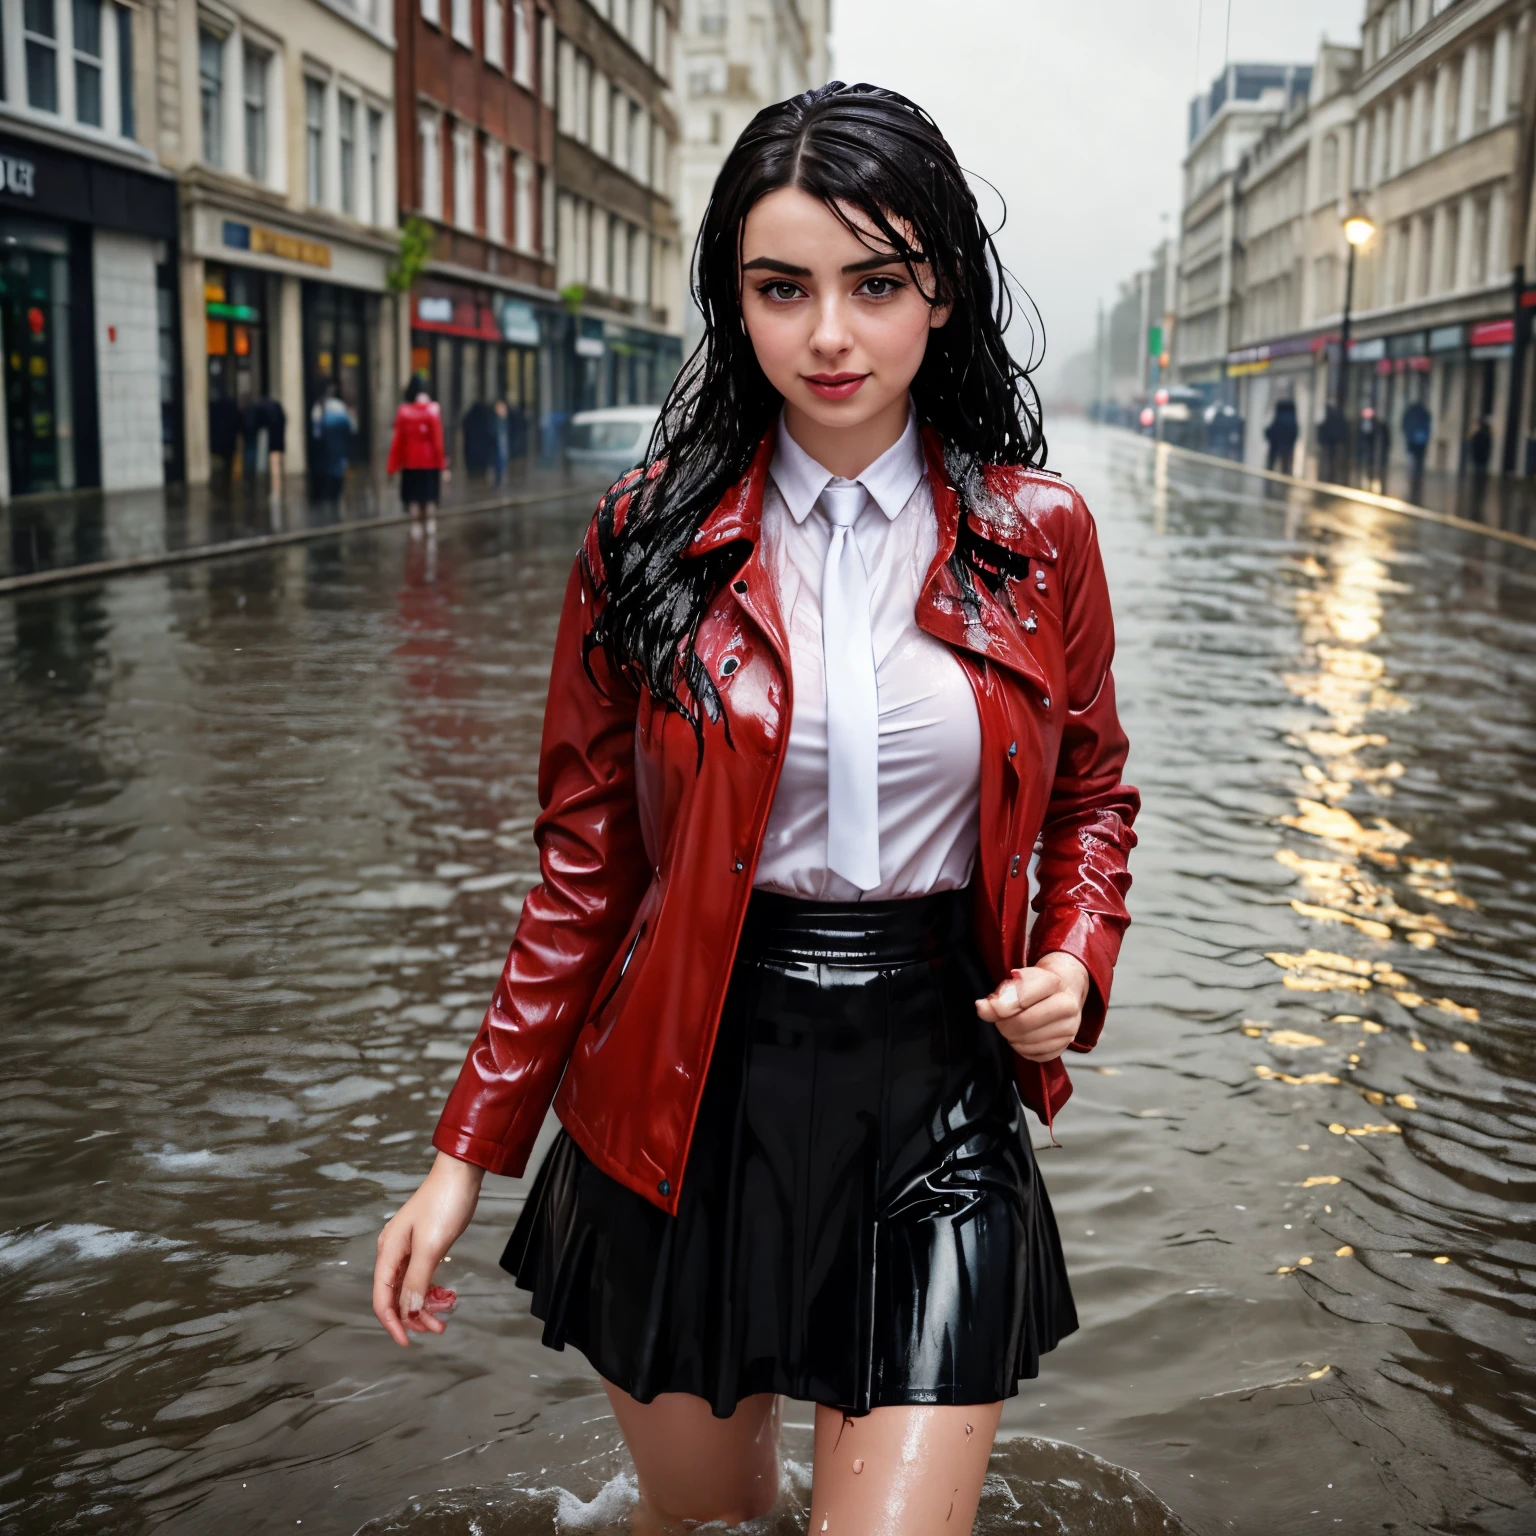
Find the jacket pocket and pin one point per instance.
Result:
(623, 967)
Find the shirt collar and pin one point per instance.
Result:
(890, 480)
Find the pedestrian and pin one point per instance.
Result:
(417, 455)
(331, 429)
(501, 429)
(1416, 432)
(1281, 434)
(273, 420)
(1479, 453)
(223, 437)
(1367, 442)
(1332, 441)
(776, 966)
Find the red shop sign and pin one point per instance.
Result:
(1492, 333)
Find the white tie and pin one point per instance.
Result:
(853, 700)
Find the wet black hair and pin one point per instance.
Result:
(416, 389)
(855, 147)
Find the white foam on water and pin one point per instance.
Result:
(89, 1241)
(612, 1504)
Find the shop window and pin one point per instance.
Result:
(88, 62)
(256, 68)
(41, 36)
(314, 138)
(210, 74)
(128, 127)
(495, 34)
(347, 121)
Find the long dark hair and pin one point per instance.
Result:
(864, 148)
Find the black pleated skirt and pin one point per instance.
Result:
(861, 1221)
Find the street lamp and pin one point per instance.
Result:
(1359, 230)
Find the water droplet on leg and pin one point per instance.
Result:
(969, 1428)
(858, 1465)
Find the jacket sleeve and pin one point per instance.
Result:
(593, 873)
(439, 452)
(1086, 838)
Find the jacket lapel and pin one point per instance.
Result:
(984, 627)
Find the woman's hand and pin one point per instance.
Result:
(1039, 1009)
(413, 1243)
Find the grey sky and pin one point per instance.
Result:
(1075, 110)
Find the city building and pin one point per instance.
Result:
(475, 80)
(618, 256)
(1135, 338)
(279, 117)
(1442, 166)
(88, 252)
(737, 57)
(1291, 192)
(1225, 122)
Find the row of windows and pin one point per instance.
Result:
(600, 113)
(480, 163)
(602, 251)
(1396, 22)
(240, 91)
(69, 59)
(506, 36)
(1456, 246)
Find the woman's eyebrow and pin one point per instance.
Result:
(773, 264)
(872, 263)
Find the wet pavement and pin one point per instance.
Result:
(265, 828)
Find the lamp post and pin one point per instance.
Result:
(1358, 231)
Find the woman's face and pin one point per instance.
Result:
(837, 323)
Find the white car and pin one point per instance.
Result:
(603, 444)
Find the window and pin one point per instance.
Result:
(88, 53)
(429, 128)
(461, 28)
(547, 63)
(464, 175)
(495, 192)
(522, 45)
(602, 129)
(210, 74)
(619, 127)
(255, 70)
(581, 130)
(1482, 110)
(495, 34)
(1479, 273)
(375, 164)
(346, 122)
(712, 19)
(125, 70)
(314, 138)
(40, 33)
(639, 143)
(430, 12)
(1452, 269)
(522, 203)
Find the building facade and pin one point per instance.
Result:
(737, 57)
(618, 251)
(88, 252)
(279, 117)
(1225, 122)
(475, 79)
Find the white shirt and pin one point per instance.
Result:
(930, 736)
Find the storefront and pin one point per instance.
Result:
(281, 316)
(476, 346)
(88, 328)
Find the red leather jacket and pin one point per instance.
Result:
(614, 985)
(417, 442)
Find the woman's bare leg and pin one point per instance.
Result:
(901, 1471)
(692, 1467)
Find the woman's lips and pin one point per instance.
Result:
(835, 386)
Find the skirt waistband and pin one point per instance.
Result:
(872, 934)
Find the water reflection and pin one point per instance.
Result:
(266, 827)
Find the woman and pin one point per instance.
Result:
(416, 452)
(827, 671)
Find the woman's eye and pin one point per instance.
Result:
(880, 287)
(781, 292)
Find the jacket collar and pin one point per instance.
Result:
(984, 627)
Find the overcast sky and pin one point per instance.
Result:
(1076, 111)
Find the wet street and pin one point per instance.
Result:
(264, 832)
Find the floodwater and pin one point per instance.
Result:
(264, 830)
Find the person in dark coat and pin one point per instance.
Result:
(1479, 453)
(479, 432)
(1416, 429)
(224, 433)
(331, 429)
(1281, 434)
(1368, 442)
(1333, 441)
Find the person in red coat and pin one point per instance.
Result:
(831, 668)
(417, 455)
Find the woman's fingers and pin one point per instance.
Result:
(393, 1256)
(1036, 1011)
(1024, 989)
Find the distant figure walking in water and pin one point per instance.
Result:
(1281, 433)
(417, 454)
